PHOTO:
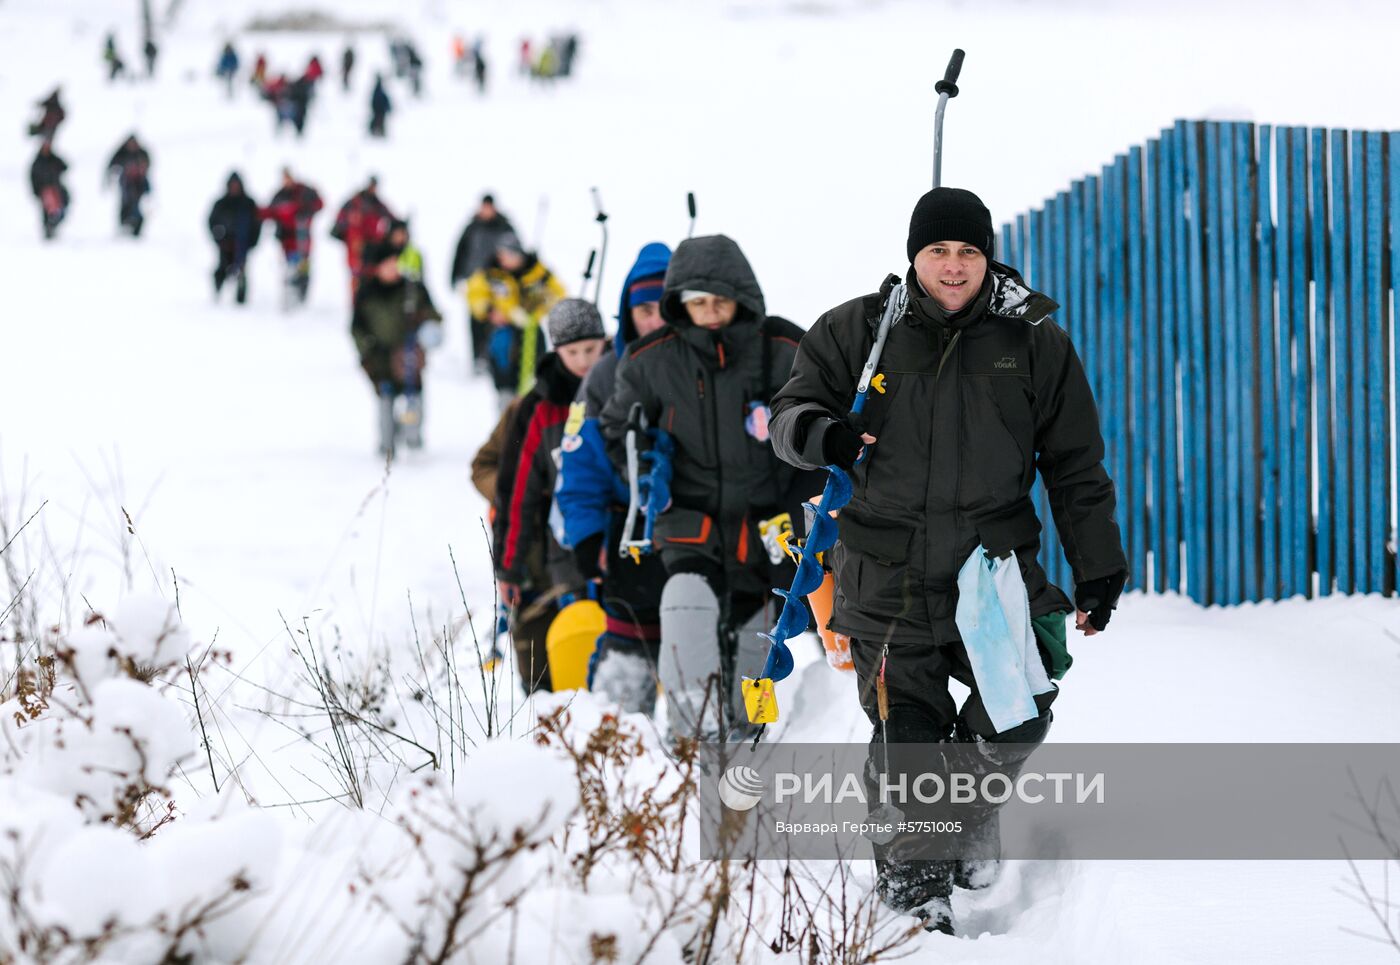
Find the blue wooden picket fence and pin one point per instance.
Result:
(1229, 289)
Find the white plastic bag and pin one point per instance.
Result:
(994, 619)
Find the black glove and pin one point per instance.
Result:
(841, 446)
(1098, 598)
(586, 555)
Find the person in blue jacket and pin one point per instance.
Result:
(590, 503)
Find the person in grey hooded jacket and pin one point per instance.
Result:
(707, 378)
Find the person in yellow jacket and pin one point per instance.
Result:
(513, 294)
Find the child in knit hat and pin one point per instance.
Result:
(534, 572)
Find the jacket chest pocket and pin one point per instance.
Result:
(999, 438)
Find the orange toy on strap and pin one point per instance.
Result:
(837, 645)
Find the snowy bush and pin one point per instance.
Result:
(575, 838)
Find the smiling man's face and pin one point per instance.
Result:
(951, 272)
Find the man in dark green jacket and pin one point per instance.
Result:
(387, 325)
(977, 388)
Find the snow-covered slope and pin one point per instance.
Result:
(241, 441)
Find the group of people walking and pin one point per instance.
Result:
(128, 170)
(977, 390)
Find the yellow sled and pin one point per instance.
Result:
(570, 643)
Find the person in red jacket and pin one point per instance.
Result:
(291, 210)
(361, 220)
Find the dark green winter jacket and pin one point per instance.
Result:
(971, 407)
(710, 390)
(384, 318)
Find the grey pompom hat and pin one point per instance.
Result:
(573, 320)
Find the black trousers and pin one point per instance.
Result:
(922, 712)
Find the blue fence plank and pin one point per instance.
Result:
(1168, 202)
(1341, 362)
(1137, 351)
(1299, 399)
(1357, 401)
(1393, 164)
(1198, 575)
(1377, 471)
(1114, 338)
(1218, 494)
(1283, 239)
(1322, 364)
(1245, 359)
(1226, 369)
(1152, 388)
(1265, 352)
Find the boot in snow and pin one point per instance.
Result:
(624, 673)
(936, 914)
(411, 419)
(974, 874)
(388, 425)
(689, 662)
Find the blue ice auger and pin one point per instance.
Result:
(760, 701)
(759, 698)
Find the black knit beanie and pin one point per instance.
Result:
(951, 214)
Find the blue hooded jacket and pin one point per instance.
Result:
(588, 486)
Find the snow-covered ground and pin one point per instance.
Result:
(240, 442)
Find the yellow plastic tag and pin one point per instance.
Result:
(772, 533)
(574, 423)
(760, 700)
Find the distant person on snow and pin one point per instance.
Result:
(235, 227)
(592, 496)
(53, 114)
(116, 67)
(415, 69)
(361, 220)
(314, 71)
(347, 66)
(512, 296)
(298, 97)
(258, 78)
(391, 322)
(150, 50)
(379, 107)
(46, 181)
(479, 64)
(130, 168)
(475, 250)
(227, 68)
(291, 211)
(410, 255)
(459, 55)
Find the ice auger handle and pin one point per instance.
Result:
(949, 84)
